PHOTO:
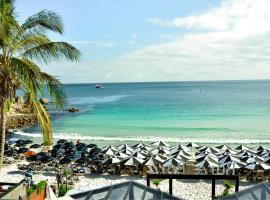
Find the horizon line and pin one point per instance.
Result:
(225, 80)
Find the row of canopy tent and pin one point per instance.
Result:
(161, 154)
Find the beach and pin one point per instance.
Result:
(189, 189)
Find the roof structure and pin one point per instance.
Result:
(256, 192)
(124, 191)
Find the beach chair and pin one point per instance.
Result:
(260, 175)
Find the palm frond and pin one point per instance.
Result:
(52, 51)
(44, 20)
(56, 90)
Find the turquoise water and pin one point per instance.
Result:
(205, 112)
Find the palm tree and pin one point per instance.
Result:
(22, 48)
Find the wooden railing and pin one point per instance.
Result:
(198, 177)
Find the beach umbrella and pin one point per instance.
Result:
(145, 148)
(172, 162)
(121, 155)
(182, 157)
(28, 141)
(242, 147)
(183, 153)
(179, 147)
(112, 160)
(209, 150)
(22, 150)
(207, 164)
(222, 147)
(229, 151)
(258, 166)
(252, 159)
(259, 148)
(124, 146)
(159, 144)
(262, 152)
(126, 151)
(150, 162)
(228, 158)
(91, 146)
(243, 153)
(160, 158)
(109, 147)
(65, 160)
(161, 150)
(139, 145)
(211, 157)
(61, 141)
(10, 152)
(35, 146)
(108, 152)
(133, 161)
(20, 143)
(13, 140)
(192, 145)
(139, 155)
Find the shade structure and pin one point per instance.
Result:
(133, 161)
(161, 150)
(230, 151)
(138, 145)
(108, 151)
(109, 147)
(208, 149)
(126, 151)
(258, 191)
(207, 164)
(182, 152)
(192, 145)
(150, 162)
(22, 150)
(235, 165)
(124, 191)
(179, 147)
(124, 146)
(121, 155)
(222, 147)
(139, 155)
(228, 158)
(172, 162)
(182, 157)
(159, 144)
(211, 157)
(241, 147)
(160, 158)
(35, 146)
(258, 166)
(252, 159)
(112, 160)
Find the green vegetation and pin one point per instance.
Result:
(66, 173)
(39, 187)
(62, 190)
(228, 186)
(22, 48)
(156, 182)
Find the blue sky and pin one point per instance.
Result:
(157, 40)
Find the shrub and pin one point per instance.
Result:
(62, 190)
(156, 182)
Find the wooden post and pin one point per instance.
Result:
(213, 188)
(170, 186)
(237, 184)
(148, 181)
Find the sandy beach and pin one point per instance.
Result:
(188, 189)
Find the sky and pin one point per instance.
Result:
(160, 40)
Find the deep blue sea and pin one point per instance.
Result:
(205, 112)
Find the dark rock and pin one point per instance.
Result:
(72, 109)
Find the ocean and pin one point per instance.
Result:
(209, 112)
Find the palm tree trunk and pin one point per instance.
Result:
(3, 131)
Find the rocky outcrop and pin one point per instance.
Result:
(20, 120)
(72, 109)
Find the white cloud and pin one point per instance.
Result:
(133, 39)
(235, 44)
(104, 44)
